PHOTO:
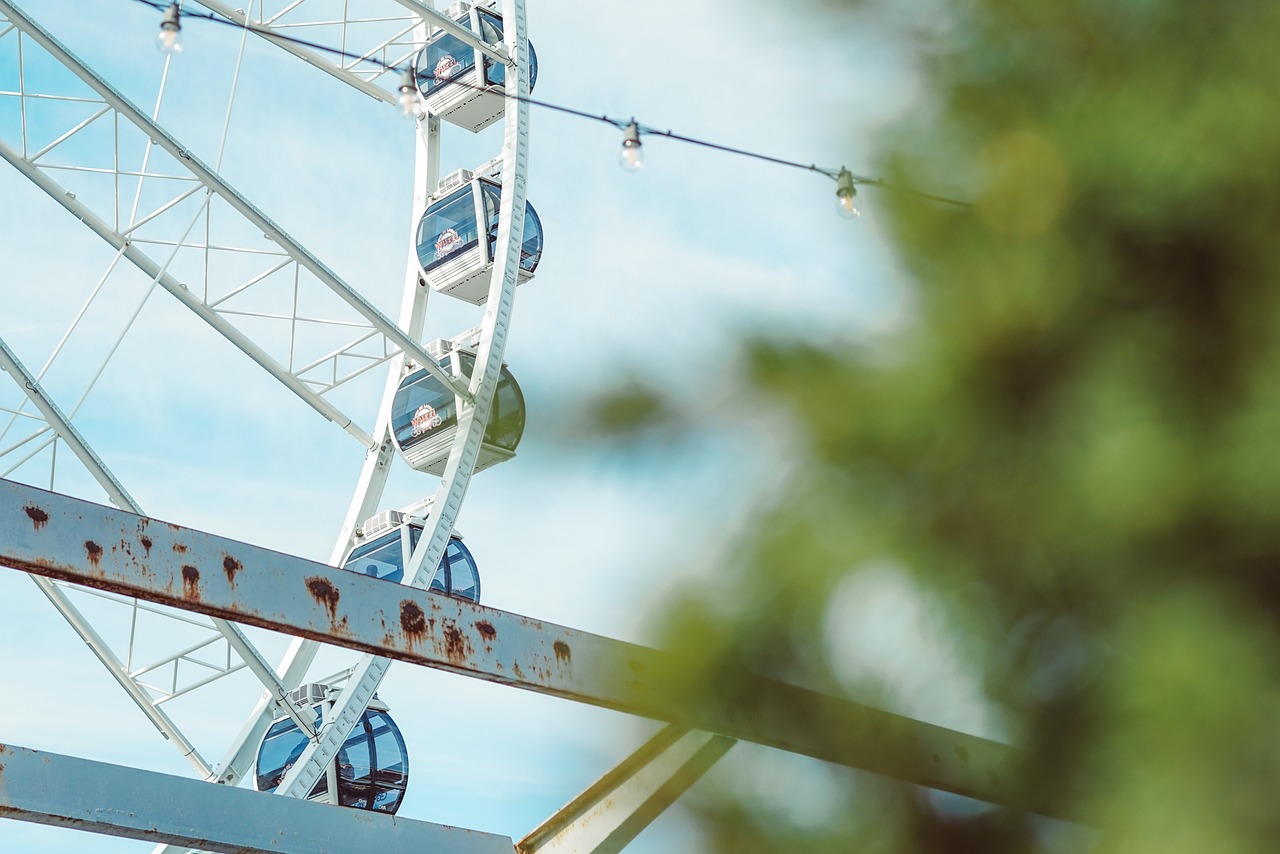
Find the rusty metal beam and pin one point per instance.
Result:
(65, 791)
(65, 538)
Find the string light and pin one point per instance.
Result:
(410, 104)
(845, 193)
(631, 157)
(169, 39)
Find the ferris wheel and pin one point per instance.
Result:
(447, 408)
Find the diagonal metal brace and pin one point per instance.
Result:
(617, 807)
(212, 180)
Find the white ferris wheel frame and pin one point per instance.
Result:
(400, 348)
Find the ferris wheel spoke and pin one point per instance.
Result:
(61, 425)
(239, 652)
(287, 270)
(384, 39)
(373, 45)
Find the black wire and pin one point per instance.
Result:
(268, 34)
(808, 167)
(834, 174)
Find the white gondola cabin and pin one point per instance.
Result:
(424, 416)
(386, 543)
(459, 83)
(371, 768)
(458, 233)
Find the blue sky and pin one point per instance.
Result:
(651, 275)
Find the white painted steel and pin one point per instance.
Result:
(214, 184)
(65, 791)
(119, 672)
(143, 262)
(62, 426)
(142, 694)
(501, 53)
(472, 420)
(270, 28)
(394, 49)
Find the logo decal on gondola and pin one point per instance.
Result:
(446, 67)
(447, 242)
(425, 419)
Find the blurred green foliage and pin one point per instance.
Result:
(1074, 444)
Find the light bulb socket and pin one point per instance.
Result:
(631, 135)
(409, 103)
(846, 190)
(169, 38)
(844, 184)
(171, 20)
(631, 158)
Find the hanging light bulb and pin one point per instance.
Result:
(409, 101)
(169, 39)
(631, 158)
(845, 194)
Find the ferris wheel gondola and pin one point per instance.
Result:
(386, 542)
(458, 233)
(460, 83)
(371, 768)
(424, 416)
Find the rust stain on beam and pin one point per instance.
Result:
(193, 570)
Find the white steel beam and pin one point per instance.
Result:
(272, 32)
(453, 28)
(157, 273)
(63, 427)
(214, 182)
(612, 811)
(72, 540)
(252, 659)
(324, 63)
(65, 791)
(99, 647)
(67, 431)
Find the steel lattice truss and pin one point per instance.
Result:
(185, 227)
(370, 45)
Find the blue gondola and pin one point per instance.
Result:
(458, 232)
(424, 417)
(384, 553)
(372, 767)
(460, 84)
